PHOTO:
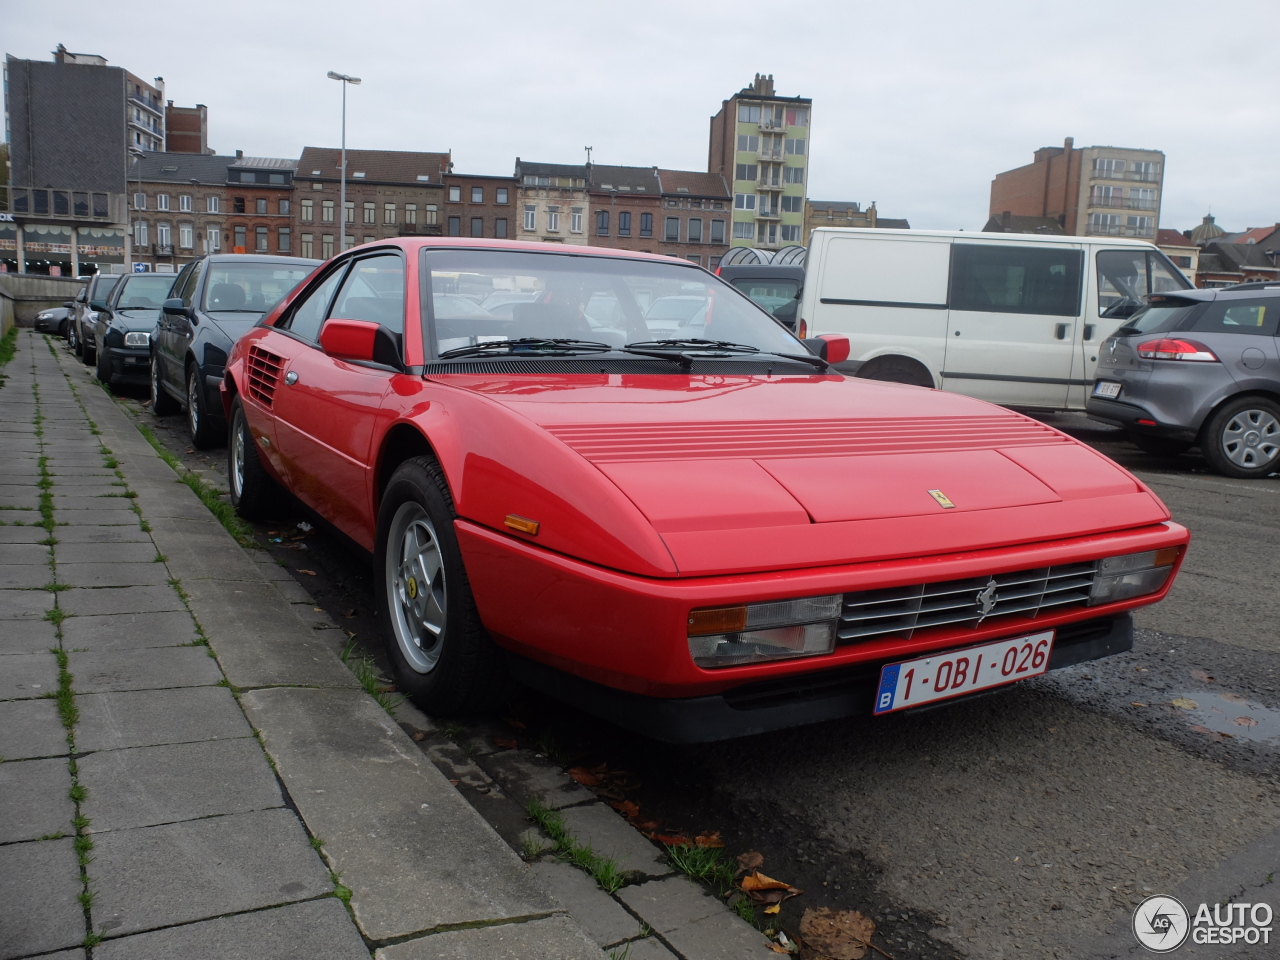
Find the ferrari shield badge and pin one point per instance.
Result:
(942, 499)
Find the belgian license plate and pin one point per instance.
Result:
(1108, 389)
(957, 672)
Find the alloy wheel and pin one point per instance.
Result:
(239, 429)
(416, 586)
(1251, 438)
(193, 403)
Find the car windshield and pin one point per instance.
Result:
(101, 287)
(606, 301)
(250, 287)
(144, 292)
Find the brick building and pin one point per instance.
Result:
(178, 202)
(697, 210)
(626, 207)
(186, 128)
(259, 218)
(554, 202)
(845, 213)
(390, 193)
(479, 206)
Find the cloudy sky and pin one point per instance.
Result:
(916, 105)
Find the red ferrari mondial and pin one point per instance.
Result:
(611, 476)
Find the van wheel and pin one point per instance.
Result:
(896, 370)
(1243, 438)
(1158, 446)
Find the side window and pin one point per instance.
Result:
(994, 278)
(1240, 316)
(310, 313)
(193, 284)
(374, 291)
(1126, 276)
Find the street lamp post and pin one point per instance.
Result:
(342, 193)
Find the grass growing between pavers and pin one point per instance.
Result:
(8, 346)
(604, 870)
(365, 669)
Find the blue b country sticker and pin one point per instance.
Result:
(888, 685)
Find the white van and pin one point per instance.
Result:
(1011, 318)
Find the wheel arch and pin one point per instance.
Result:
(1271, 395)
(402, 442)
(881, 360)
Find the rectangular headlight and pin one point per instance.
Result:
(779, 630)
(137, 338)
(1131, 575)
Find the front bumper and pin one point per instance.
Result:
(1118, 413)
(131, 365)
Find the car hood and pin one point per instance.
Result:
(141, 319)
(750, 473)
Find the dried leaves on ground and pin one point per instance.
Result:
(837, 934)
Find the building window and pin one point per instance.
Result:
(248, 176)
(210, 204)
(748, 143)
(308, 211)
(260, 206)
(1140, 226)
(530, 217)
(140, 233)
(282, 207)
(695, 230)
(748, 113)
(306, 245)
(553, 220)
(1108, 168)
(186, 236)
(793, 204)
(477, 226)
(1104, 223)
(798, 117)
(743, 231)
(744, 201)
(602, 223)
(369, 239)
(694, 258)
(502, 195)
(285, 244)
(500, 227)
(349, 212)
(388, 213)
(793, 174)
(431, 214)
(162, 201)
(646, 224)
(184, 202)
(575, 222)
(717, 231)
(672, 232)
(317, 186)
(624, 223)
(213, 238)
(793, 147)
(745, 171)
(260, 239)
(370, 213)
(238, 239)
(1146, 170)
(455, 226)
(768, 233)
(164, 239)
(139, 201)
(477, 194)
(790, 233)
(237, 204)
(411, 213)
(326, 211)
(326, 246)
(455, 194)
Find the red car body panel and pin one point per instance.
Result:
(656, 494)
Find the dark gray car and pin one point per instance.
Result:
(84, 314)
(1199, 367)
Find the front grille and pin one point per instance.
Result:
(900, 611)
(264, 373)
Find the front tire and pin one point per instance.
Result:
(1242, 439)
(73, 340)
(254, 494)
(102, 369)
(204, 434)
(442, 657)
(162, 405)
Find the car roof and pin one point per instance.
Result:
(525, 246)
(259, 258)
(1241, 292)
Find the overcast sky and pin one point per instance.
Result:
(915, 105)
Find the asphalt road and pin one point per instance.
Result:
(1026, 824)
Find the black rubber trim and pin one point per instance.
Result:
(885, 303)
(786, 702)
(1004, 377)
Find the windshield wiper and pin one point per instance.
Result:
(669, 349)
(541, 346)
(696, 344)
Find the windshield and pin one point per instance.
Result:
(605, 300)
(250, 287)
(779, 297)
(101, 286)
(144, 292)
(1125, 277)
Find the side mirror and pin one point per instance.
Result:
(69, 304)
(831, 347)
(174, 307)
(361, 340)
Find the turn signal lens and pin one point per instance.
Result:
(522, 524)
(779, 630)
(717, 620)
(1170, 349)
(1131, 575)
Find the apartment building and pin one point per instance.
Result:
(696, 216)
(186, 128)
(759, 143)
(479, 206)
(178, 205)
(626, 207)
(846, 213)
(260, 205)
(554, 201)
(1091, 191)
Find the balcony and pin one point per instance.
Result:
(770, 154)
(1118, 230)
(772, 126)
(1142, 176)
(155, 106)
(763, 214)
(162, 249)
(51, 203)
(1123, 203)
(770, 184)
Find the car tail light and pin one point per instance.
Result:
(731, 636)
(1170, 349)
(802, 328)
(1131, 575)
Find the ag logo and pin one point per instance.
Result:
(1161, 924)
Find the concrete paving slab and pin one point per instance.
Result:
(121, 574)
(39, 883)
(201, 549)
(258, 640)
(27, 675)
(152, 669)
(650, 948)
(721, 936)
(23, 496)
(318, 930)
(144, 718)
(551, 938)
(93, 533)
(144, 786)
(16, 518)
(597, 826)
(141, 552)
(528, 778)
(178, 873)
(107, 517)
(79, 499)
(26, 636)
(36, 803)
(162, 500)
(24, 534)
(599, 915)
(387, 816)
(147, 599)
(15, 576)
(84, 484)
(128, 631)
(23, 553)
(670, 903)
(30, 728)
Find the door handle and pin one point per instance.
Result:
(1088, 330)
(291, 378)
(1060, 331)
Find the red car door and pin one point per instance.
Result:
(325, 409)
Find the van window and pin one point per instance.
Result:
(1237, 316)
(1126, 276)
(994, 278)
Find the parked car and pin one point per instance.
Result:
(1199, 367)
(697, 538)
(1014, 319)
(56, 320)
(123, 328)
(87, 303)
(216, 299)
(776, 287)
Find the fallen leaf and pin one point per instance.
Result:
(349, 613)
(671, 839)
(709, 840)
(318, 609)
(1136, 703)
(773, 908)
(1184, 703)
(749, 861)
(584, 776)
(504, 743)
(1202, 675)
(1235, 698)
(777, 949)
(1246, 721)
(309, 573)
(419, 735)
(1216, 734)
(756, 880)
(626, 808)
(838, 934)
(454, 782)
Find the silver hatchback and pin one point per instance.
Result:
(1199, 367)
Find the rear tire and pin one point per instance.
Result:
(441, 654)
(1242, 439)
(1159, 446)
(204, 433)
(896, 370)
(254, 493)
(162, 405)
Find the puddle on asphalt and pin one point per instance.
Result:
(1229, 713)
